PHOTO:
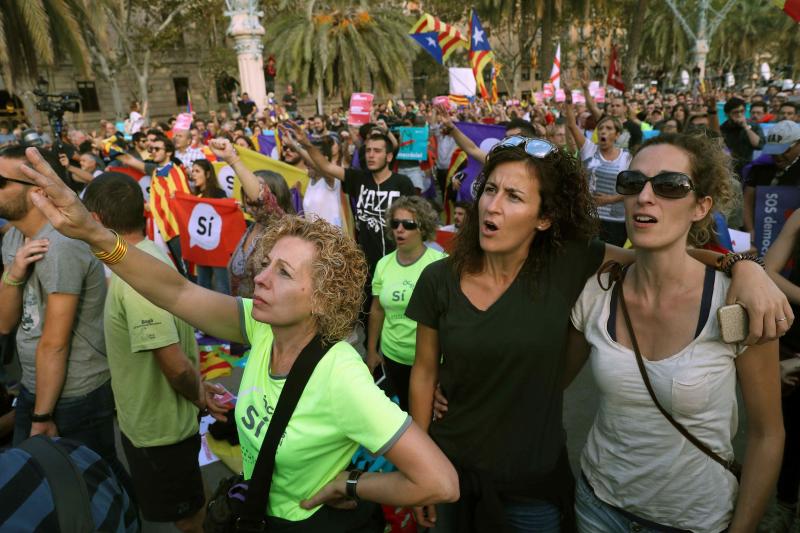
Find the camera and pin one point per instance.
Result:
(55, 105)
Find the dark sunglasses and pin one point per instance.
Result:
(537, 148)
(407, 224)
(671, 185)
(4, 180)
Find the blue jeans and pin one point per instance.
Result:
(596, 516)
(87, 419)
(528, 517)
(220, 282)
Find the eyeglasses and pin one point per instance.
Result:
(672, 185)
(407, 224)
(4, 180)
(537, 148)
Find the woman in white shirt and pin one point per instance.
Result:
(637, 469)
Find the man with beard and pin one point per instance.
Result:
(373, 189)
(163, 177)
(319, 128)
(53, 291)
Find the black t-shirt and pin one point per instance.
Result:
(502, 368)
(738, 143)
(245, 108)
(764, 175)
(290, 102)
(372, 202)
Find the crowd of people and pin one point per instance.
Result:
(596, 232)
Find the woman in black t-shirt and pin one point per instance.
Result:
(203, 181)
(496, 313)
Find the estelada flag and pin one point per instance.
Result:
(210, 229)
(615, 72)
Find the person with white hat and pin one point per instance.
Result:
(783, 144)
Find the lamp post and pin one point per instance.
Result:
(247, 32)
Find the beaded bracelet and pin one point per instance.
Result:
(11, 282)
(728, 260)
(116, 255)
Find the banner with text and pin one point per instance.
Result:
(413, 143)
(210, 228)
(773, 206)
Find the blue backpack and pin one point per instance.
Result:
(62, 486)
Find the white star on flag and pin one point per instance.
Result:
(431, 41)
(477, 37)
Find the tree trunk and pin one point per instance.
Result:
(631, 68)
(547, 52)
(320, 100)
(111, 78)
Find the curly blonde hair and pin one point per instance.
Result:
(712, 173)
(338, 271)
(427, 219)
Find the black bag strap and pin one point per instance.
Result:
(619, 273)
(253, 515)
(70, 495)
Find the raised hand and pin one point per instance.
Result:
(57, 202)
(222, 149)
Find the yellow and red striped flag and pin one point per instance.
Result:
(450, 39)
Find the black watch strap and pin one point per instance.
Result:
(46, 417)
(352, 483)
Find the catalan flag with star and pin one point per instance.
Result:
(480, 53)
(450, 39)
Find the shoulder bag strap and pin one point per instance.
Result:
(729, 465)
(253, 516)
(70, 495)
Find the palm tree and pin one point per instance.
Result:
(341, 48)
(35, 33)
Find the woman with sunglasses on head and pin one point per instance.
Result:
(413, 222)
(492, 327)
(656, 337)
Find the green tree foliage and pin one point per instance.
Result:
(343, 47)
(36, 33)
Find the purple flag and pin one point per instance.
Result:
(268, 145)
(485, 136)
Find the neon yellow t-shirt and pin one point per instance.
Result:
(394, 283)
(339, 409)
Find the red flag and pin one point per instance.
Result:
(210, 229)
(791, 8)
(615, 72)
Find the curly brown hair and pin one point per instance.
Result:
(426, 216)
(711, 171)
(565, 200)
(339, 271)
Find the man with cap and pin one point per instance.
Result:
(783, 144)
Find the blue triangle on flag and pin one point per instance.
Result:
(478, 40)
(430, 42)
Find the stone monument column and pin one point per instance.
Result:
(247, 31)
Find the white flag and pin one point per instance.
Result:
(555, 74)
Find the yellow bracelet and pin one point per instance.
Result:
(116, 255)
(10, 282)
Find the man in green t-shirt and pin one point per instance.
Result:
(153, 358)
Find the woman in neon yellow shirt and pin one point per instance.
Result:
(310, 284)
(413, 222)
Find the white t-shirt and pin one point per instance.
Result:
(603, 177)
(634, 459)
(322, 201)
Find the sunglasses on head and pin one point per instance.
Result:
(537, 148)
(671, 185)
(4, 180)
(407, 224)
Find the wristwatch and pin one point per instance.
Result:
(352, 483)
(46, 417)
